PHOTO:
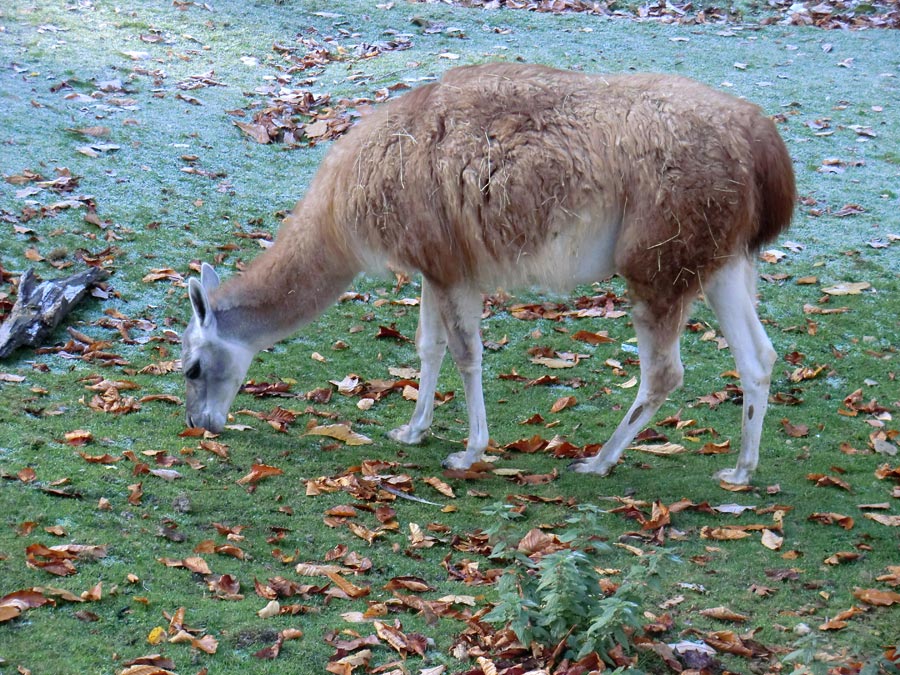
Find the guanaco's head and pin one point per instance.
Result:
(214, 366)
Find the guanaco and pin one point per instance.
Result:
(523, 175)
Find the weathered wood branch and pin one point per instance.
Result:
(40, 307)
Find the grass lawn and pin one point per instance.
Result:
(120, 147)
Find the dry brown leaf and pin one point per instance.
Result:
(549, 362)
(562, 403)
(847, 288)
(214, 447)
(884, 519)
(441, 487)
(413, 584)
(259, 472)
(879, 598)
(823, 480)
(771, 540)
(78, 437)
(842, 557)
(723, 533)
(833, 519)
(143, 669)
(724, 614)
(257, 132)
(340, 432)
(350, 589)
(661, 449)
(540, 542)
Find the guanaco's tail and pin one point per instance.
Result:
(776, 190)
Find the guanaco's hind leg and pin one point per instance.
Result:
(460, 310)
(431, 344)
(731, 294)
(661, 373)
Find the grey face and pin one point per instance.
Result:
(214, 366)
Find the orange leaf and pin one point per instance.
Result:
(78, 437)
(872, 596)
(258, 472)
(363, 532)
(794, 430)
(136, 491)
(441, 487)
(823, 480)
(347, 587)
(100, 459)
(833, 519)
(562, 403)
(841, 557)
(214, 447)
(592, 338)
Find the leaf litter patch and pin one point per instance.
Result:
(826, 14)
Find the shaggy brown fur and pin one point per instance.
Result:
(522, 174)
(468, 178)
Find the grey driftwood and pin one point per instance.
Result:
(41, 306)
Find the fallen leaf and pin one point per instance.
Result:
(723, 614)
(661, 449)
(259, 472)
(340, 432)
(771, 540)
(833, 519)
(562, 403)
(823, 480)
(441, 487)
(847, 288)
(794, 430)
(876, 597)
(883, 519)
(257, 132)
(842, 557)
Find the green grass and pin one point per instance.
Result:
(158, 216)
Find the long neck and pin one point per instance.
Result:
(289, 285)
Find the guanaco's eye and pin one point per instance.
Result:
(193, 372)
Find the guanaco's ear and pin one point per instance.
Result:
(208, 277)
(200, 302)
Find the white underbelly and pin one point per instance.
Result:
(578, 252)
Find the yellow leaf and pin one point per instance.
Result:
(156, 635)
